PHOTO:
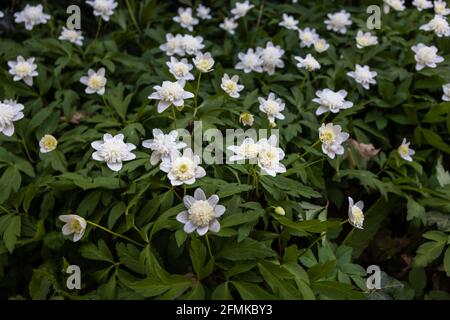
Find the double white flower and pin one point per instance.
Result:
(331, 101)
(241, 8)
(185, 18)
(273, 107)
(363, 75)
(231, 86)
(23, 70)
(203, 12)
(95, 81)
(250, 61)
(309, 63)
(289, 22)
(229, 25)
(308, 37)
(338, 21)
(438, 25)
(182, 44)
(170, 93)
(405, 151)
(183, 169)
(164, 146)
(180, 69)
(47, 143)
(440, 7)
(203, 62)
(397, 5)
(10, 111)
(426, 56)
(113, 150)
(355, 213)
(248, 150)
(422, 4)
(365, 39)
(271, 57)
(332, 138)
(321, 45)
(73, 36)
(31, 16)
(269, 156)
(103, 8)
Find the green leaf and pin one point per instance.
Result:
(10, 227)
(430, 250)
(250, 291)
(222, 292)
(248, 249)
(99, 252)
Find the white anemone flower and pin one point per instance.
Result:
(271, 56)
(249, 62)
(180, 69)
(405, 151)
(438, 25)
(203, 12)
(363, 75)
(397, 5)
(440, 7)
(231, 86)
(95, 81)
(113, 150)
(426, 56)
(273, 107)
(73, 36)
(170, 93)
(203, 62)
(321, 45)
(201, 214)
(241, 8)
(229, 25)
(103, 8)
(422, 4)
(332, 101)
(338, 21)
(185, 18)
(289, 22)
(308, 37)
(10, 111)
(31, 16)
(74, 224)
(269, 156)
(164, 146)
(47, 143)
(183, 169)
(365, 39)
(246, 119)
(173, 45)
(191, 45)
(332, 138)
(23, 69)
(308, 63)
(248, 150)
(355, 213)
(446, 89)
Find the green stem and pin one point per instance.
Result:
(4, 209)
(174, 117)
(196, 94)
(313, 243)
(306, 152)
(133, 18)
(209, 246)
(114, 233)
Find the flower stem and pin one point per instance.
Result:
(209, 246)
(306, 152)
(114, 233)
(133, 18)
(196, 94)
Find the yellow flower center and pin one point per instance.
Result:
(75, 225)
(23, 69)
(230, 86)
(201, 213)
(327, 135)
(358, 216)
(49, 142)
(96, 82)
(403, 150)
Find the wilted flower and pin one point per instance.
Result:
(309, 63)
(10, 111)
(241, 9)
(203, 62)
(422, 4)
(113, 150)
(446, 89)
(355, 213)
(201, 214)
(273, 107)
(173, 45)
(180, 69)
(246, 151)
(249, 62)
(183, 169)
(332, 138)
(289, 22)
(23, 70)
(48, 143)
(246, 119)
(271, 57)
(73, 36)
(397, 5)
(269, 156)
(103, 8)
(339, 21)
(405, 151)
(170, 93)
(363, 75)
(191, 45)
(367, 151)
(231, 86)
(31, 16)
(185, 18)
(95, 81)
(164, 146)
(440, 7)
(365, 39)
(331, 101)
(229, 25)
(203, 12)
(321, 45)
(74, 224)
(438, 25)
(308, 37)
(426, 56)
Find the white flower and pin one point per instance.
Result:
(103, 8)
(229, 25)
(439, 25)
(180, 69)
(113, 151)
(192, 45)
(246, 119)
(446, 89)
(95, 81)
(365, 39)
(331, 101)
(23, 70)
(309, 63)
(308, 37)
(73, 36)
(48, 143)
(203, 62)
(249, 61)
(321, 45)
(185, 18)
(10, 111)
(74, 224)
(201, 214)
(269, 156)
(241, 9)
(289, 22)
(271, 57)
(397, 5)
(164, 146)
(405, 151)
(173, 45)
(355, 213)
(231, 86)
(363, 75)
(332, 138)
(31, 16)
(273, 107)
(338, 21)
(440, 7)
(422, 4)
(170, 93)
(203, 12)
(426, 56)
(183, 169)
(248, 150)
(2, 14)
